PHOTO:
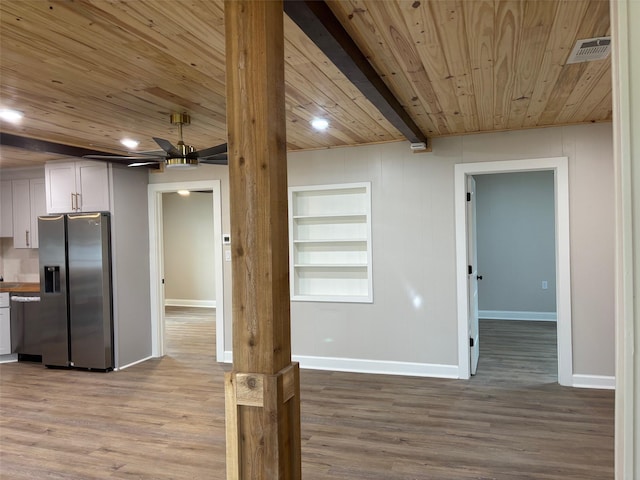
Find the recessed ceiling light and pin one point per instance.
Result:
(127, 142)
(12, 116)
(184, 193)
(320, 123)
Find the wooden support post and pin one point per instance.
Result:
(262, 391)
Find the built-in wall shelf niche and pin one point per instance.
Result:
(330, 243)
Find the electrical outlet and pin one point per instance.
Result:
(227, 255)
(545, 285)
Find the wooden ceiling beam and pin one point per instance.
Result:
(318, 22)
(44, 146)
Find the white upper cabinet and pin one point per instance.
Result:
(81, 186)
(28, 204)
(38, 206)
(6, 209)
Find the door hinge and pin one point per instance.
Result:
(468, 196)
(471, 342)
(470, 270)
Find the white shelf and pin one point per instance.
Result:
(330, 243)
(333, 240)
(359, 216)
(330, 265)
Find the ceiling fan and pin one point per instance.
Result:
(173, 156)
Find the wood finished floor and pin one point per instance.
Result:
(164, 419)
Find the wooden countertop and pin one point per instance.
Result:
(19, 287)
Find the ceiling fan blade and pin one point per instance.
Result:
(211, 151)
(142, 164)
(150, 153)
(166, 145)
(121, 157)
(217, 160)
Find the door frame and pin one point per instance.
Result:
(156, 259)
(560, 168)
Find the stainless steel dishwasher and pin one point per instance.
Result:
(25, 325)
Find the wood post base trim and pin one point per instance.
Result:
(250, 387)
(278, 396)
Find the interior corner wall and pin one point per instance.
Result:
(130, 260)
(189, 260)
(515, 220)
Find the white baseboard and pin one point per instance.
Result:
(515, 315)
(179, 302)
(594, 381)
(356, 365)
(133, 363)
(9, 358)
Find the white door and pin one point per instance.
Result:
(472, 275)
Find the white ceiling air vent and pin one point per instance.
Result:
(590, 49)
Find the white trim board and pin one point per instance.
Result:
(605, 382)
(133, 363)
(516, 315)
(358, 365)
(560, 167)
(9, 358)
(185, 302)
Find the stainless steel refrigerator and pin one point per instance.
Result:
(75, 290)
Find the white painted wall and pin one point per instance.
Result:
(412, 319)
(516, 242)
(413, 316)
(130, 265)
(189, 261)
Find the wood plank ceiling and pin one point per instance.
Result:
(88, 73)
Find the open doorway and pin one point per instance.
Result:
(189, 273)
(559, 167)
(157, 260)
(515, 240)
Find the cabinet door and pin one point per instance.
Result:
(6, 209)
(92, 181)
(38, 207)
(5, 331)
(60, 186)
(22, 236)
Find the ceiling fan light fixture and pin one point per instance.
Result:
(181, 163)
